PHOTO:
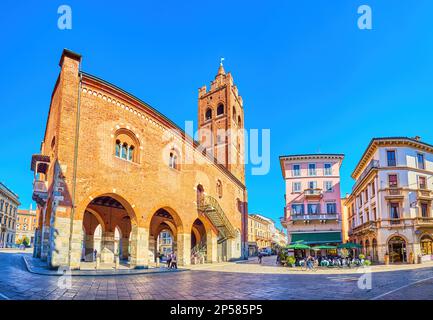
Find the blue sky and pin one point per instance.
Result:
(304, 69)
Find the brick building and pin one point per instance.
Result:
(110, 160)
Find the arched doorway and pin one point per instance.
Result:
(374, 249)
(108, 226)
(367, 249)
(163, 220)
(198, 242)
(426, 245)
(397, 250)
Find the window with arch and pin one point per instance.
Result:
(219, 188)
(239, 121)
(208, 114)
(126, 145)
(220, 109)
(173, 161)
(234, 114)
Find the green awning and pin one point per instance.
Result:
(317, 237)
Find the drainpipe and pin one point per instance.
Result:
(245, 227)
(74, 174)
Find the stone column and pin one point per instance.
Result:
(416, 250)
(107, 247)
(45, 242)
(152, 251)
(211, 247)
(89, 247)
(58, 255)
(231, 249)
(183, 249)
(125, 248)
(76, 244)
(382, 249)
(139, 245)
(37, 244)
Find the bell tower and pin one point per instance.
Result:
(221, 123)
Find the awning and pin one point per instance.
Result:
(317, 237)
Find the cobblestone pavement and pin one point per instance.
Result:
(17, 283)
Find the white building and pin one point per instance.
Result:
(8, 214)
(389, 211)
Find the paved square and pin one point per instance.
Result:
(215, 282)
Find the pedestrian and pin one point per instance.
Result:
(309, 263)
(260, 256)
(173, 261)
(169, 260)
(95, 254)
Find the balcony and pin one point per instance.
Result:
(311, 193)
(424, 194)
(323, 217)
(40, 192)
(373, 164)
(394, 194)
(424, 221)
(364, 228)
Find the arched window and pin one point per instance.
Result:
(118, 147)
(124, 151)
(173, 161)
(239, 121)
(208, 115)
(234, 114)
(219, 188)
(220, 109)
(127, 144)
(200, 194)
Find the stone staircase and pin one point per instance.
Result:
(210, 207)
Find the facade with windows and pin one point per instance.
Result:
(9, 202)
(259, 233)
(112, 164)
(389, 212)
(27, 221)
(313, 208)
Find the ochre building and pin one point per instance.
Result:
(110, 161)
(26, 225)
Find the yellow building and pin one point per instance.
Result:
(259, 233)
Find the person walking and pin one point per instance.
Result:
(173, 261)
(260, 257)
(169, 260)
(95, 254)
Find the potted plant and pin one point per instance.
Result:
(291, 261)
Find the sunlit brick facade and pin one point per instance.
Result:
(109, 159)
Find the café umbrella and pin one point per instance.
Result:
(324, 247)
(298, 245)
(349, 245)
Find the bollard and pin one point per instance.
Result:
(98, 261)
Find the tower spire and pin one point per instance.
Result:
(221, 68)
